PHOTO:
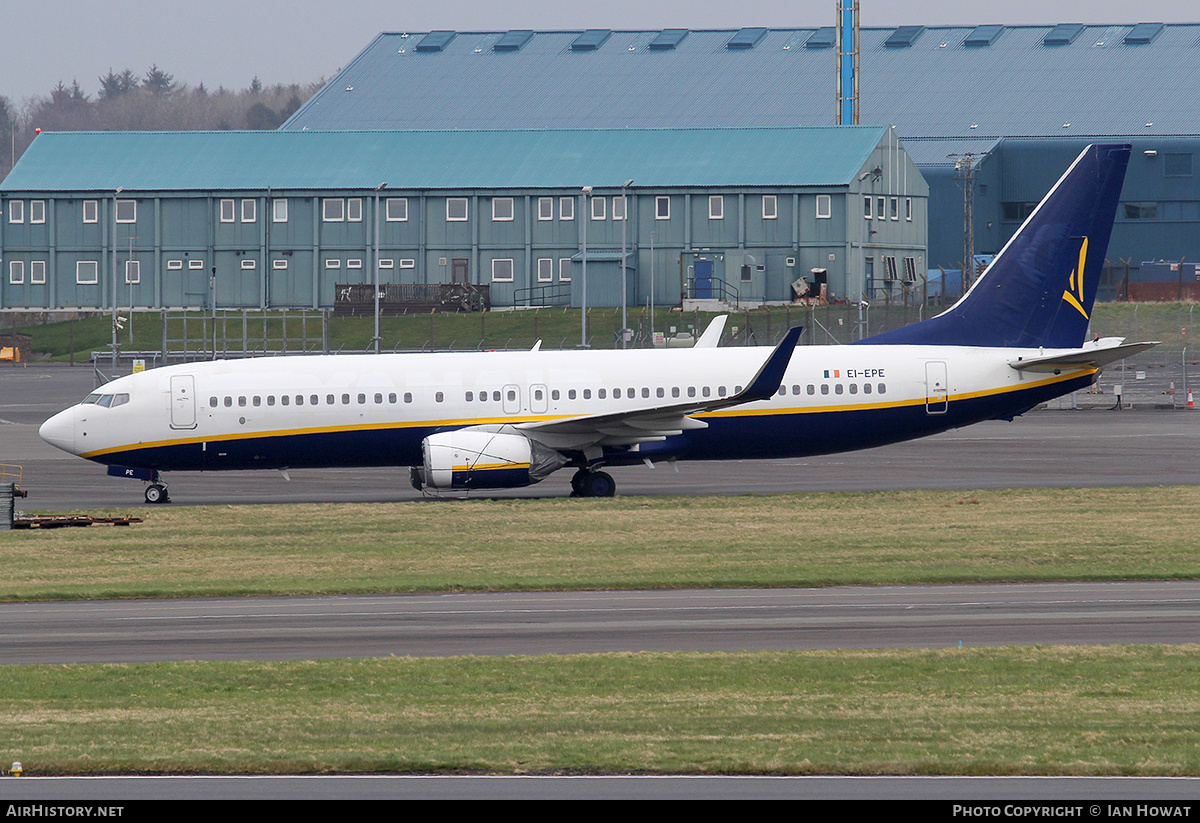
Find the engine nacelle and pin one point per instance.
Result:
(478, 459)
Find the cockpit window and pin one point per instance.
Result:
(120, 400)
(105, 400)
(91, 398)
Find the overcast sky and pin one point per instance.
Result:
(227, 42)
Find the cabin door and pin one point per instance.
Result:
(937, 389)
(183, 401)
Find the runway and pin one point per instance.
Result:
(708, 620)
(1042, 449)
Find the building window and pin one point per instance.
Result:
(249, 210)
(599, 208)
(1174, 165)
(247, 263)
(87, 272)
(333, 210)
(407, 263)
(502, 209)
(545, 269)
(910, 269)
(824, 206)
(174, 265)
(126, 211)
(279, 210)
(564, 270)
(908, 209)
(396, 209)
(133, 271)
(456, 209)
(333, 264)
(867, 212)
(16, 211)
(1141, 211)
(619, 204)
(227, 211)
(566, 208)
(770, 207)
(37, 211)
(662, 208)
(889, 268)
(354, 210)
(545, 208)
(354, 263)
(881, 211)
(716, 207)
(16, 272)
(37, 272)
(195, 264)
(895, 215)
(279, 264)
(502, 271)
(1017, 211)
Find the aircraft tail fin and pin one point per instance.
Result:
(1039, 291)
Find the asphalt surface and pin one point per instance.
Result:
(1046, 448)
(305, 628)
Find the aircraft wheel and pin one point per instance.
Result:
(577, 483)
(599, 484)
(156, 494)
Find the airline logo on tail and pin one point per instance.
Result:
(1074, 290)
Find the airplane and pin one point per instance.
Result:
(498, 420)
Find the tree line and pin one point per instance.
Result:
(153, 101)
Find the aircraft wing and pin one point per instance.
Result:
(1089, 356)
(657, 422)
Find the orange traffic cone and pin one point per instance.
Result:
(1190, 406)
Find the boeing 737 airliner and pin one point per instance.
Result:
(507, 419)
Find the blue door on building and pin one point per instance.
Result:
(703, 279)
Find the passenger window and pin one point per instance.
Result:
(659, 392)
(362, 400)
(645, 392)
(270, 400)
(720, 391)
(838, 389)
(674, 391)
(587, 394)
(496, 396)
(392, 398)
(782, 391)
(228, 402)
(705, 391)
(795, 389)
(554, 394)
(811, 389)
(570, 394)
(378, 398)
(854, 388)
(345, 400)
(616, 394)
(691, 391)
(408, 397)
(824, 388)
(470, 396)
(314, 400)
(512, 395)
(600, 393)
(241, 401)
(257, 401)
(881, 388)
(283, 400)
(438, 397)
(330, 400)
(866, 388)
(299, 400)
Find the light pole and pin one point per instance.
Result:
(624, 222)
(378, 189)
(116, 194)
(587, 190)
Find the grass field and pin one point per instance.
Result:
(1037, 710)
(636, 542)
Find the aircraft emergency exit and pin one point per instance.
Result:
(494, 420)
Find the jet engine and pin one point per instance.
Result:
(479, 459)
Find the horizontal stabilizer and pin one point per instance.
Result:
(1081, 358)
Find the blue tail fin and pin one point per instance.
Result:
(1040, 288)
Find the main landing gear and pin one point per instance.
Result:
(587, 483)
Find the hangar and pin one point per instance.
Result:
(280, 219)
(1021, 101)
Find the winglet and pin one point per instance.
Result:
(712, 335)
(766, 382)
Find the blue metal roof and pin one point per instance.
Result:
(1021, 80)
(458, 160)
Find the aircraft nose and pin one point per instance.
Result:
(59, 430)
